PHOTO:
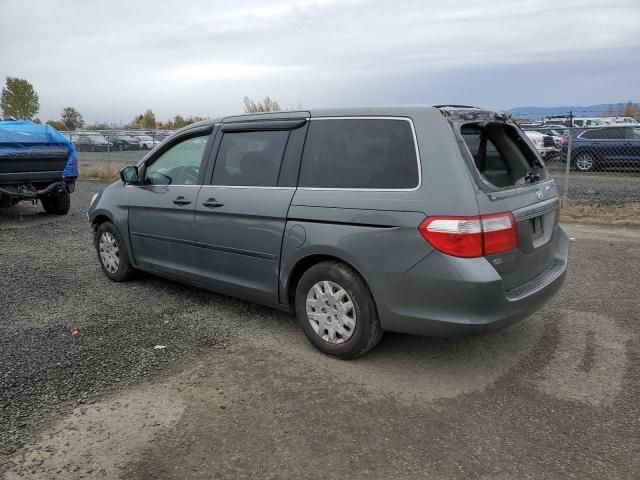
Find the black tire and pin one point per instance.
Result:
(367, 332)
(57, 203)
(584, 162)
(124, 270)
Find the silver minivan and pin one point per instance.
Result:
(423, 220)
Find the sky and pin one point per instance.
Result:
(114, 59)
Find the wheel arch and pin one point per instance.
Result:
(303, 264)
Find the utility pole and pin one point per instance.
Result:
(571, 118)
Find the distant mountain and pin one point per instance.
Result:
(538, 113)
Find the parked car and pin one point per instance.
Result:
(557, 133)
(92, 143)
(37, 163)
(608, 147)
(621, 120)
(589, 122)
(146, 142)
(421, 220)
(545, 144)
(122, 141)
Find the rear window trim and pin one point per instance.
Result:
(366, 117)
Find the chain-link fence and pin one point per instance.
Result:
(596, 168)
(596, 165)
(101, 153)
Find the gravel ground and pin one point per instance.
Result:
(239, 393)
(51, 283)
(604, 188)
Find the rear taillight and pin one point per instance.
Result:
(471, 236)
(565, 140)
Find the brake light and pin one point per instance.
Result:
(470, 237)
(565, 140)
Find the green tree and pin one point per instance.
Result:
(72, 119)
(19, 99)
(267, 105)
(148, 120)
(58, 125)
(179, 122)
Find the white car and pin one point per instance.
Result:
(589, 122)
(146, 142)
(545, 144)
(620, 120)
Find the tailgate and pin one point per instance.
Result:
(32, 164)
(535, 209)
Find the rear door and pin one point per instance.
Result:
(162, 208)
(240, 215)
(510, 181)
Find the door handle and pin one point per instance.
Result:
(181, 201)
(212, 203)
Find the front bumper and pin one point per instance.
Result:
(449, 296)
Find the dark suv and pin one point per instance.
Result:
(422, 220)
(604, 147)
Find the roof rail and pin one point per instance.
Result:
(455, 106)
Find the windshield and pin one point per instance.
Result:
(97, 139)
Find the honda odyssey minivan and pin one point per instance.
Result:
(422, 220)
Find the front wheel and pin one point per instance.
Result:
(57, 203)
(585, 162)
(337, 311)
(112, 253)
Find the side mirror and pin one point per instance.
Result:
(129, 174)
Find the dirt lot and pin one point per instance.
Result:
(239, 393)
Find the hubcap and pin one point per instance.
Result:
(584, 162)
(109, 252)
(330, 312)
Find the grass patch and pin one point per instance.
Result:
(106, 172)
(626, 215)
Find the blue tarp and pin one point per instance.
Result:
(16, 137)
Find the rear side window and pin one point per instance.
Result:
(359, 153)
(250, 158)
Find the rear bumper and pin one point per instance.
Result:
(448, 296)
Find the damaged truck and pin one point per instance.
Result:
(37, 163)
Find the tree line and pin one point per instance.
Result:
(21, 101)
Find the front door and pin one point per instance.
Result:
(162, 208)
(241, 216)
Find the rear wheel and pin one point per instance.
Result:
(57, 203)
(336, 310)
(585, 162)
(112, 253)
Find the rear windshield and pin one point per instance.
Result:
(502, 157)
